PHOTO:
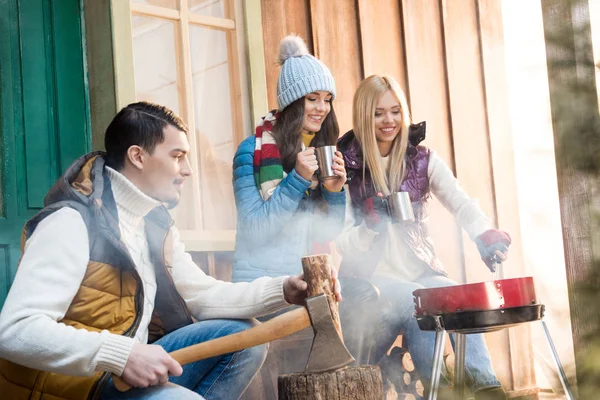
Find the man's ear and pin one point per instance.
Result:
(136, 156)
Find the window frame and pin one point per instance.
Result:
(248, 80)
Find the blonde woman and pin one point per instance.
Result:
(382, 155)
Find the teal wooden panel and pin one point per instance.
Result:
(2, 155)
(73, 122)
(10, 112)
(11, 222)
(5, 273)
(44, 111)
(52, 55)
(9, 109)
(35, 150)
(37, 147)
(9, 255)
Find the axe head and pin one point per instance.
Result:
(328, 352)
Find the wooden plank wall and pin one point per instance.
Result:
(448, 56)
(573, 99)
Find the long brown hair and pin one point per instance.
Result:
(366, 97)
(287, 132)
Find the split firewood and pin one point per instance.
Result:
(317, 274)
(449, 364)
(416, 387)
(403, 358)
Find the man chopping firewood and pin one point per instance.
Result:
(105, 286)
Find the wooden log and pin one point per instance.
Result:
(398, 368)
(354, 383)
(449, 364)
(415, 387)
(397, 376)
(317, 274)
(392, 394)
(403, 358)
(405, 378)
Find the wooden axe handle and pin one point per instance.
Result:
(273, 329)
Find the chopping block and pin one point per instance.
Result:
(349, 383)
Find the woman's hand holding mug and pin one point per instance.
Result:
(306, 163)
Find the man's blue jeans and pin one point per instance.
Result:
(221, 377)
(478, 366)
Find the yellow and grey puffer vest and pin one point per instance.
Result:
(111, 294)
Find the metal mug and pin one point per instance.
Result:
(325, 156)
(400, 207)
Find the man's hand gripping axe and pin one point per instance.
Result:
(327, 353)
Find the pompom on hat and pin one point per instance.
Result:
(300, 73)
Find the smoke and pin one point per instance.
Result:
(207, 201)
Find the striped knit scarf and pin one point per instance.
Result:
(268, 171)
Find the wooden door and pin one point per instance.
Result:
(44, 117)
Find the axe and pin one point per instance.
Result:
(327, 353)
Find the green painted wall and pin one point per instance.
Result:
(44, 112)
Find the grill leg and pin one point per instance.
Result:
(438, 359)
(459, 366)
(557, 364)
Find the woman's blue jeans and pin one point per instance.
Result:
(399, 319)
(221, 377)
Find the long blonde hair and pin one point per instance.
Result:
(365, 102)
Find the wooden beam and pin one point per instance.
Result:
(101, 71)
(214, 240)
(279, 19)
(243, 78)
(122, 42)
(187, 86)
(340, 52)
(466, 100)
(175, 15)
(155, 11)
(470, 142)
(236, 100)
(382, 39)
(212, 22)
(427, 84)
(256, 59)
(503, 172)
(575, 120)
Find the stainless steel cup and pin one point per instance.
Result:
(400, 207)
(325, 156)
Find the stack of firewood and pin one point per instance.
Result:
(401, 381)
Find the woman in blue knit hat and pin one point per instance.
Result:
(283, 208)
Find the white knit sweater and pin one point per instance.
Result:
(50, 274)
(356, 240)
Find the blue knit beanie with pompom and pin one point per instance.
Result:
(300, 73)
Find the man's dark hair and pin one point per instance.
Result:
(139, 124)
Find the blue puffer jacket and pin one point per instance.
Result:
(273, 235)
